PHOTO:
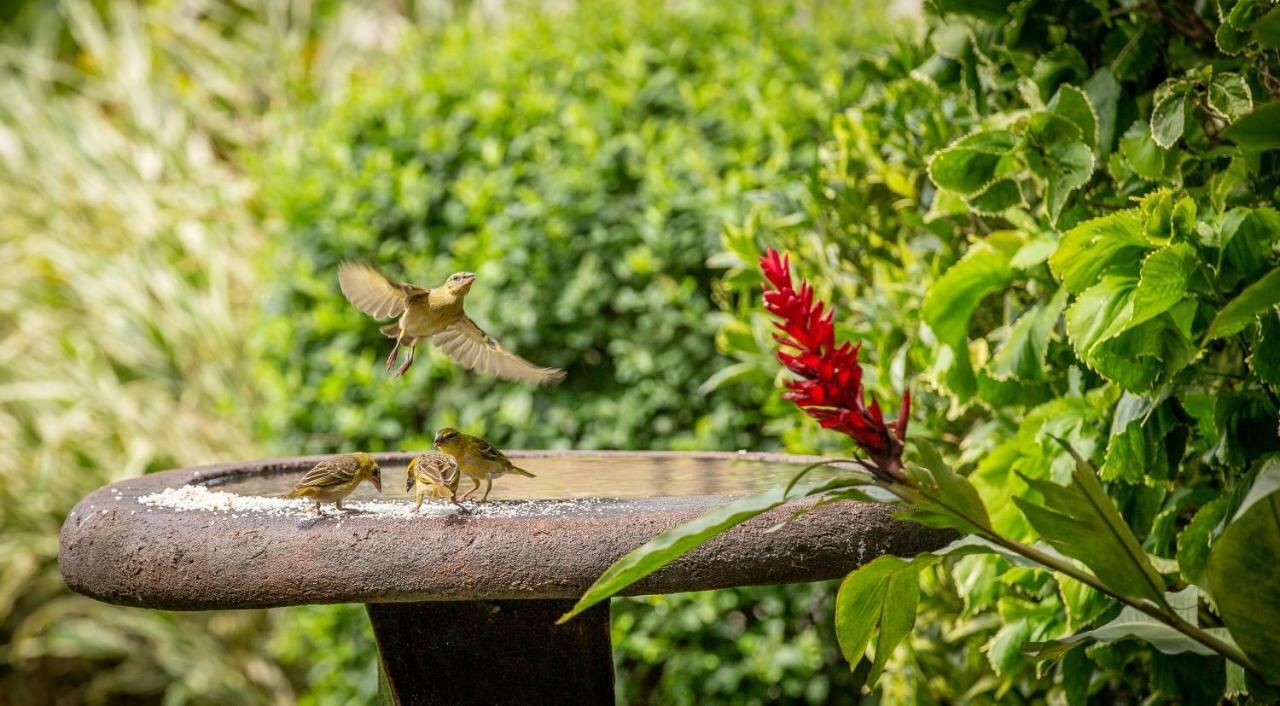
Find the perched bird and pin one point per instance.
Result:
(477, 458)
(334, 478)
(432, 475)
(435, 314)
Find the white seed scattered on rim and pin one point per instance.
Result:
(198, 498)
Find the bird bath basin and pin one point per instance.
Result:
(472, 596)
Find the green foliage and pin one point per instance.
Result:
(1064, 218)
(585, 175)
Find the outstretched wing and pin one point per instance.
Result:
(372, 293)
(476, 350)
(330, 472)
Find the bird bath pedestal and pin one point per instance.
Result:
(463, 605)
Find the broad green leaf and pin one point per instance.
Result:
(1195, 540)
(1245, 556)
(952, 299)
(1267, 30)
(1162, 283)
(1143, 356)
(1246, 240)
(1104, 97)
(949, 499)
(1138, 449)
(1241, 311)
(1258, 130)
(1146, 158)
(1244, 13)
(1133, 623)
(1080, 521)
(996, 197)
(1265, 361)
(1230, 40)
(972, 163)
(1070, 167)
(1022, 355)
(1229, 94)
(1098, 246)
(897, 618)
(1169, 118)
(670, 544)
(1074, 104)
(882, 593)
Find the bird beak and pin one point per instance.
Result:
(468, 278)
(377, 482)
(436, 441)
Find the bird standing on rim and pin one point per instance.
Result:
(432, 475)
(437, 314)
(477, 458)
(335, 478)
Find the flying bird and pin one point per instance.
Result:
(435, 314)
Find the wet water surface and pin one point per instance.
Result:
(580, 476)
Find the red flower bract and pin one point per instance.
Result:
(829, 387)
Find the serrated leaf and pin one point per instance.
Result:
(1137, 449)
(1080, 521)
(1075, 105)
(1259, 129)
(1230, 40)
(1022, 355)
(1245, 556)
(972, 163)
(1195, 540)
(1241, 311)
(1070, 167)
(996, 197)
(1099, 246)
(1229, 94)
(1168, 119)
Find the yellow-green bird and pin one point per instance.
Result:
(334, 478)
(435, 314)
(477, 458)
(432, 475)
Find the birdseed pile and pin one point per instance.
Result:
(198, 498)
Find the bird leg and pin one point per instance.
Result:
(488, 485)
(421, 495)
(408, 361)
(337, 504)
(316, 509)
(391, 359)
(475, 486)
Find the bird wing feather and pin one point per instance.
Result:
(330, 472)
(474, 349)
(371, 292)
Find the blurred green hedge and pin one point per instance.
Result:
(583, 164)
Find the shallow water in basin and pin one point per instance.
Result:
(579, 476)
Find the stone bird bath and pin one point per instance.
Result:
(463, 606)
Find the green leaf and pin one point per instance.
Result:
(1243, 577)
(1265, 359)
(1075, 105)
(1022, 355)
(1138, 449)
(949, 500)
(1104, 96)
(1146, 158)
(998, 196)
(1070, 167)
(1080, 521)
(1099, 246)
(670, 544)
(1229, 94)
(881, 593)
(1258, 130)
(972, 163)
(1133, 623)
(1195, 540)
(951, 301)
(1169, 118)
(1241, 311)
(1267, 30)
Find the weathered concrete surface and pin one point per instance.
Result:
(114, 550)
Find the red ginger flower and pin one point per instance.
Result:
(830, 384)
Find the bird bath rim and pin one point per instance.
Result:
(115, 549)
